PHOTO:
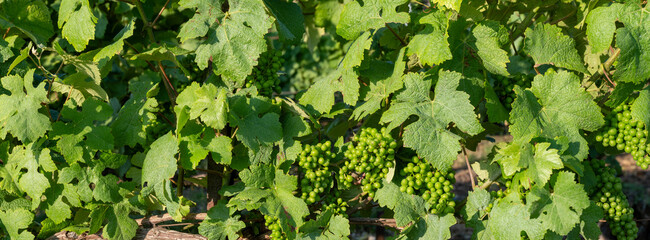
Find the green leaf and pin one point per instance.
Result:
(258, 176)
(513, 156)
(560, 210)
(20, 114)
(407, 208)
(430, 44)
(117, 46)
(13, 220)
(633, 65)
(235, 39)
(77, 22)
(220, 225)
(160, 162)
(120, 226)
(326, 227)
(207, 102)
(541, 166)
(81, 129)
(451, 4)
(601, 26)
(640, 109)
(374, 14)
(320, 95)
(563, 109)
(163, 53)
(381, 88)
(290, 21)
(130, 125)
(476, 206)
(546, 44)
(255, 132)
(78, 87)
(589, 219)
(489, 38)
(429, 135)
(495, 110)
(31, 17)
(507, 221)
(293, 126)
(432, 227)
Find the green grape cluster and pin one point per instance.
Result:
(624, 133)
(420, 178)
(335, 203)
(370, 160)
(265, 74)
(609, 196)
(273, 224)
(314, 163)
(504, 88)
(499, 194)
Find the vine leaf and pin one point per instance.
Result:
(407, 208)
(78, 87)
(119, 226)
(117, 46)
(560, 210)
(81, 129)
(432, 227)
(326, 226)
(129, 128)
(290, 21)
(219, 224)
(540, 167)
(19, 114)
(476, 206)
(429, 136)
(513, 156)
(601, 26)
(235, 39)
(507, 221)
(556, 105)
(13, 220)
(374, 14)
(381, 88)
(451, 4)
(31, 17)
(546, 44)
(634, 63)
(77, 22)
(206, 102)
(160, 162)
(640, 109)
(320, 95)
(430, 44)
(490, 36)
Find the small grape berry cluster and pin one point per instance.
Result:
(504, 88)
(335, 203)
(422, 179)
(314, 164)
(265, 74)
(624, 133)
(609, 196)
(273, 224)
(369, 159)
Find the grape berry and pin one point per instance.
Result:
(265, 74)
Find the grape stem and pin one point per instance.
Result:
(469, 169)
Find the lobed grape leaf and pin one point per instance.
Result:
(206, 102)
(540, 167)
(640, 109)
(120, 226)
(20, 114)
(31, 17)
(507, 221)
(407, 208)
(601, 26)
(546, 44)
(160, 162)
(220, 225)
(77, 23)
(381, 88)
(432, 227)
(290, 21)
(561, 209)
(130, 125)
(116, 47)
(451, 4)
(430, 44)
(563, 109)
(633, 65)
(235, 38)
(13, 220)
(373, 14)
(429, 135)
(490, 36)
